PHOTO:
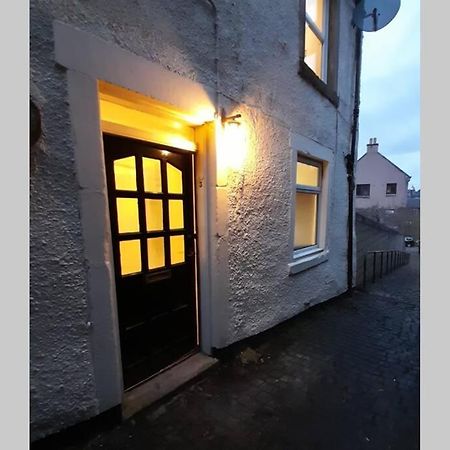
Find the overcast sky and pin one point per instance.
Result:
(390, 90)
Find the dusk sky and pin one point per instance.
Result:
(390, 90)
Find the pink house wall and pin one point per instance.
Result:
(374, 169)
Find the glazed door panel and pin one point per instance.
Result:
(150, 191)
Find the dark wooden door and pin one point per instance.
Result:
(150, 191)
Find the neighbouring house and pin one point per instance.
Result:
(379, 182)
(188, 186)
(382, 193)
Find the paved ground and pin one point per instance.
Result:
(343, 375)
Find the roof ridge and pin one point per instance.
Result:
(388, 160)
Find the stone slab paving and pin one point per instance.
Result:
(342, 375)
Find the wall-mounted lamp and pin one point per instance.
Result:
(231, 151)
(232, 120)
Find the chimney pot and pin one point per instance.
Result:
(372, 146)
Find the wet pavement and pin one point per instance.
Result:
(342, 375)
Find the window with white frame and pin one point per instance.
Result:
(316, 36)
(307, 201)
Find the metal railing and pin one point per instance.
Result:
(382, 262)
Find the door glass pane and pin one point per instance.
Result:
(313, 51)
(152, 175)
(154, 214)
(176, 214)
(314, 9)
(305, 220)
(176, 249)
(174, 180)
(155, 248)
(307, 174)
(125, 173)
(127, 215)
(130, 256)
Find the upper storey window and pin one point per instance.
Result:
(319, 46)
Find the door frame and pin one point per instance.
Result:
(138, 148)
(88, 60)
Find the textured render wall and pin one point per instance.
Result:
(258, 63)
(372, 236)
(373, 169)
(61, 377)
(179, 35)
(277, 101)
(262, 293)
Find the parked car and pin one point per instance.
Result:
(409, 241)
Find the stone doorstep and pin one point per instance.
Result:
(164, 383)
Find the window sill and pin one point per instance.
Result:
(306, 261)
(391, 195)
(308, 74)
(363, 196)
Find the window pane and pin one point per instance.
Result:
(155, 249)
(363, 190)
(154, 214)
(125, 173)
(391, 188)
(313, 51)
(130, 256)
(127, 215)
(307, 174)
(176, 214)
(305, 220)
(152, 175)
(176, 249)
(314, 9)
(174, 180)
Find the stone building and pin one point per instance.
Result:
(188, 189)
(379, 182)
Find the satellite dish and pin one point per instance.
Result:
(372, 15)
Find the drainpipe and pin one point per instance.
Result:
(350, 161)
(216, 52)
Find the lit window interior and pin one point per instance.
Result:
(305, 220)
(307, 175)
(176, 249)
(154, 214)
(125, 173)
(152, 175)
(130, 256)
(174, 180)
(313, 51)
(155, 248)
(127, 215)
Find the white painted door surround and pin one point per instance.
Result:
(89, 60)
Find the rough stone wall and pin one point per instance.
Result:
(258, 47)
(373, 236)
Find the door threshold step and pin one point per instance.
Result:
(164, 383)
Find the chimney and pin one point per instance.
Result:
(372, 146)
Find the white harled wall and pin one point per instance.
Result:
(257, 51)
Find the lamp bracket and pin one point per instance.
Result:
(231, 119)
